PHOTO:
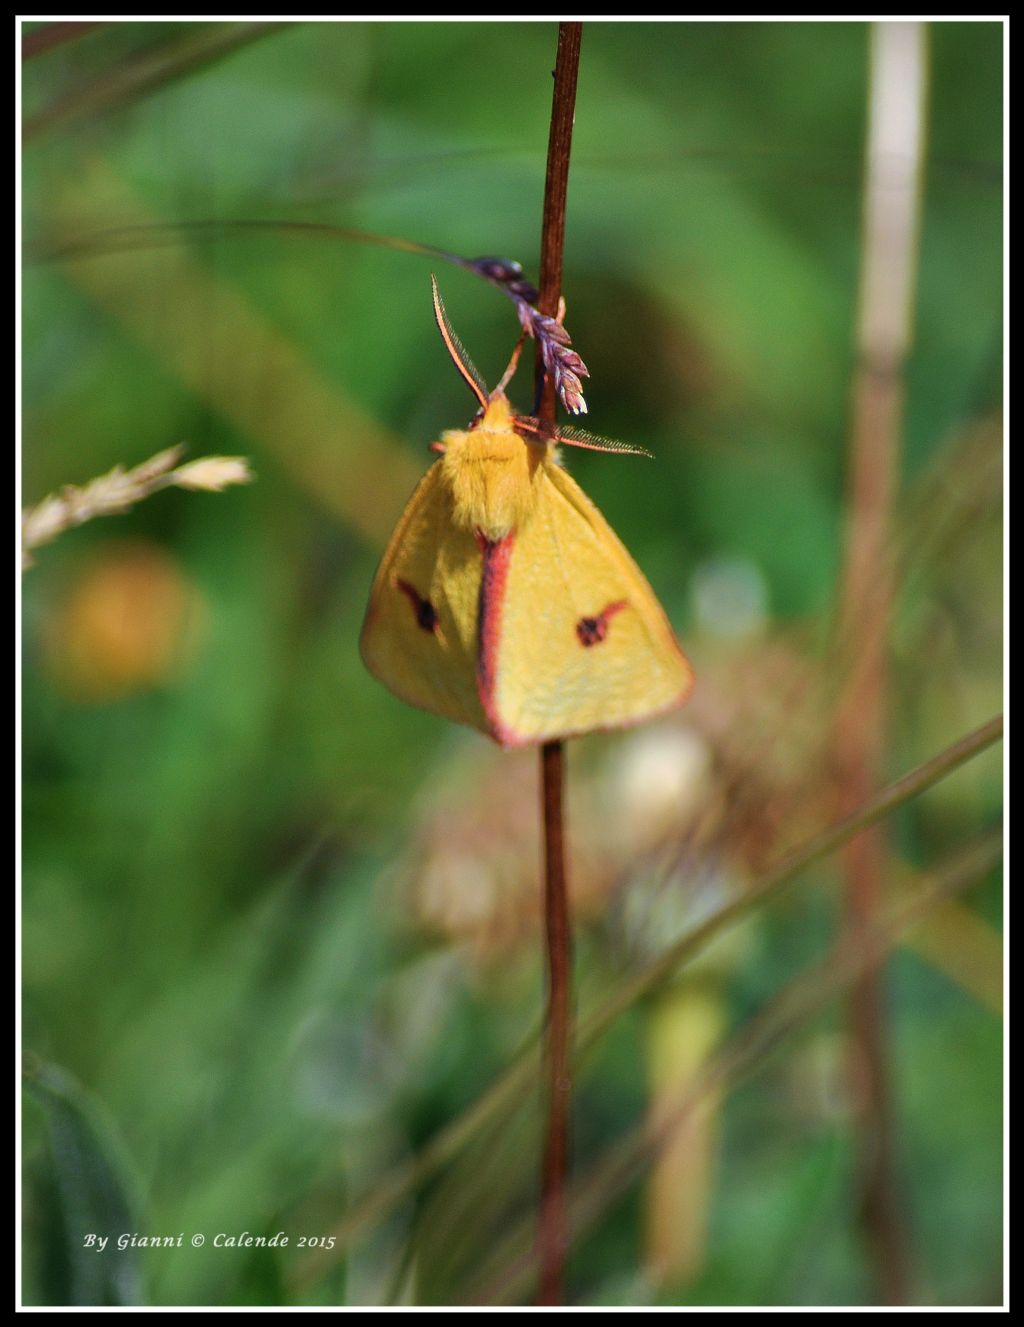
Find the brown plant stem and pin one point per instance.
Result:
(553, 1234)
(889, 248)
(553, 1227)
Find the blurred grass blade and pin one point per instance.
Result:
(511, 1270)
(961, 944)
(92, 1193)
(243, 365)
(143, 72)
(152, 235)
(822, 845)
(509, 1088)
(49, 36)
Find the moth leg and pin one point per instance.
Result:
(513, 364)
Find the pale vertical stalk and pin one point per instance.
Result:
(684, 1029)
(893, 172)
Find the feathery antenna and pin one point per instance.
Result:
(457, 350)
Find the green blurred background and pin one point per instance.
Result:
(278, 929)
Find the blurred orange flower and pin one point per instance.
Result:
(130, 619)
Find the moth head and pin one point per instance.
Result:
(495, 412)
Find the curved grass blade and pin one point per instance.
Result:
(560, 359)
(507, 1090)
(510, 1272)
(88, 1186)
(49, 36)
(137, 75)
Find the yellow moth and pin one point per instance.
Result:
(505, 601)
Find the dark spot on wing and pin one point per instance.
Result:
(593, 630)
(426, 613)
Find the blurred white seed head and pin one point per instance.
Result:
(213, 473)
(657, 783)
(730, 598)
